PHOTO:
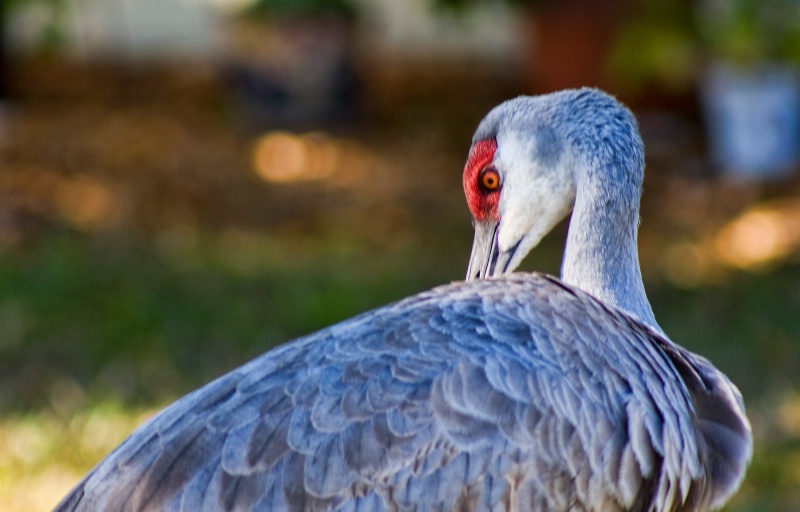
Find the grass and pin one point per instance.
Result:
(98, 332)
(43, 453)
(140, 323)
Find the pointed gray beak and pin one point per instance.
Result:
(487, 260)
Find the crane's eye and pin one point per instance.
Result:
(489, 179)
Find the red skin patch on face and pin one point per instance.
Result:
(481, 203)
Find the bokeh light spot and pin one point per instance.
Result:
(756, 238)
(283, 157)
(85, 203)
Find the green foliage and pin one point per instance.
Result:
(656, 48)
(52, 32)
(667, 42)
(11, 4)
(465, 4)
(751, 31)
(283, 7)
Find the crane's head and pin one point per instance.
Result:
(518, 182)
(527, 158)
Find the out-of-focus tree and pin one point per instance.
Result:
(656, 46)
(50, 37)
(464, 4)
(290, 7)
(3, 51)
(671, 43)
(53, 12)
(750, 32)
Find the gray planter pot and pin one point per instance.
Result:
(753, 119)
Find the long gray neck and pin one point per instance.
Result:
(601, 255)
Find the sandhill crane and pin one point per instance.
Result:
(516, 392)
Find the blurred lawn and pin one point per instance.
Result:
(100, 328)
(95, 333)
(140, 323)
(98, 333)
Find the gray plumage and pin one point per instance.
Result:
(520, 392)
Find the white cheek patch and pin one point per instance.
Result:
(535, 196)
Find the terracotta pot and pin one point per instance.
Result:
(570, 43)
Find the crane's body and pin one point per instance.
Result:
(520, 392)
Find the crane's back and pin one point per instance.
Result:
(518, 393)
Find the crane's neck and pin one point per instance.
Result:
(601, 255)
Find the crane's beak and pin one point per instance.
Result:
(487, 260)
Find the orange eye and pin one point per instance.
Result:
(489, 179)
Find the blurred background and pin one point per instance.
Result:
(187, 183)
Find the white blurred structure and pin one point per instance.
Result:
(170, 29)
(123, 29)
(416, 29)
